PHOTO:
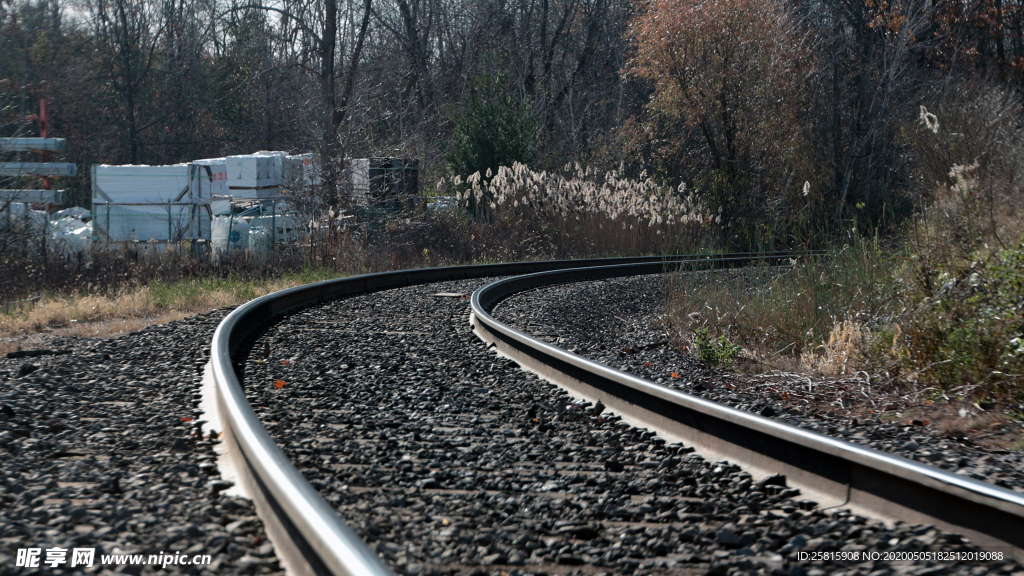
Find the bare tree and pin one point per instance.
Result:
(126, 34)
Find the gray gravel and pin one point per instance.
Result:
(617, 322)
(94, 453)
(447, 459)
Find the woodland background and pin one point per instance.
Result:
(743, 101)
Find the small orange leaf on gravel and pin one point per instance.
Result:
(284, 362)
(648, 364)
(279, 383)
(186, 419)
(928, 403)
(674, 375)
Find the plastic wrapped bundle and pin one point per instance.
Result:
(247, 171)
(80, 239)
(300, 170)
(74, 212)
(13, 214)
(275, 166)
(254, 171)
(229, 233)
(141, 223)
(71, 235)
(259, 240)
(140, 184)
(213, 177)
(220, 207)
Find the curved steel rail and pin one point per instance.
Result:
(308, 535)
(843, 473)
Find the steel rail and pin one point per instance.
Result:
(309, 537)
(844, 474)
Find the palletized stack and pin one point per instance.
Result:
(255, 175)
(141, 203)
(213, 176)
(300, 171)
(276, 163)
(281, 227)
(358, 170)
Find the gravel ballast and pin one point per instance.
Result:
(447, 459)
(100, 448)
(618, 322)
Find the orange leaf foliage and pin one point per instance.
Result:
(279, 383)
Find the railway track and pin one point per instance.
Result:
(444, 457)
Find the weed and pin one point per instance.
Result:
(715, 350)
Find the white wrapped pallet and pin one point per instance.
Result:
(359, 178)
(245, 171)
(70, 235)
(12, 211)
(259, 240)
(275, 166)
(220, 207)
(80, 239)
(20, 216)
(229, 233)
(300, 170)
(73, 212)
(261, 170)
(142, 223)
(140, 184)
(213, 176)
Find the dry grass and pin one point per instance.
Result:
(135, 308)
(96, 329)
(581, 211)
(842, 351)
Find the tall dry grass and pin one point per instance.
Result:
(580, 212)
(812, 314)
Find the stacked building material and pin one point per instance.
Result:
(300, 171)
(136, 203)
(213, 176)
(256, 175)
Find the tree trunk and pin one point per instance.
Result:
(328, 46)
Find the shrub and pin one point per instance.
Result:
(729, 80)
(714, 350)
(495, 130)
